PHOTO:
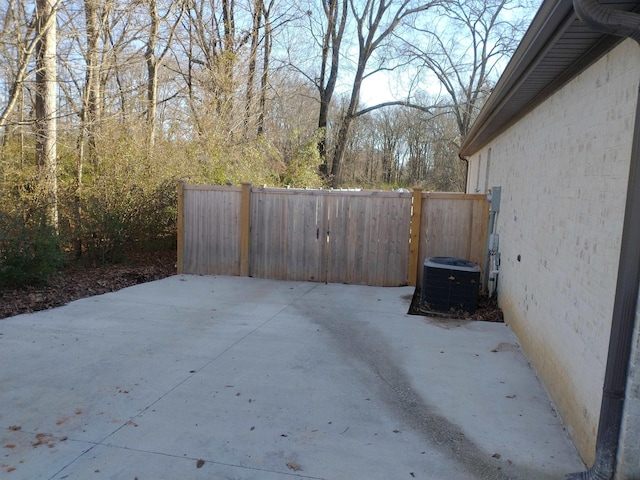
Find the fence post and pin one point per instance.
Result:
(414, 249)
(245, 228)
(180, 246)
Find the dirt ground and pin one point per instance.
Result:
(80, 281)
(487, 310)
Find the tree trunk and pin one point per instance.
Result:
(89, 114)
(46, 123)
(345, 128)
(228, 56)
(91, 100)
(152, 74)
(154, 61)
(371, 35)
(264, 82)
(253, 54)
(336, 22)
(27, 46)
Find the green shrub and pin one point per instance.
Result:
(29, 252)
(105, 233)
(302, 167)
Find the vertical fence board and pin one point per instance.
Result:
(453, 225)
(414, 247)
(180, 242)
(343, 224)
(479, 231)
(398, 226)
(211, 230)
(245, 228)
(287, 235)
(369, 238)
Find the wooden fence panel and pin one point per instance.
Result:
(211, 231)
(288, 234)
(316, 235)
(369, 238)
(453, 225)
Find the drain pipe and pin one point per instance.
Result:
(615, 22)
(466, 171)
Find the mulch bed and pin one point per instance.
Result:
(487, 310)
(80, 281)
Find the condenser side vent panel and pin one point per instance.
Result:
(450, 283)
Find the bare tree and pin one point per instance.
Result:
(256, 16)
(266, 62)
(290, 113)
(16, 31)
(390, 135)
(90, 112)
(336, 13)
(119, 32)
(465, 47)
(211, 53)
(447, 171)
(228, 46)
(375, 24)
(46, 121)
(153, 59)
(416, 126)
(25, 47)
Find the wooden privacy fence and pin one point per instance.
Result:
(369, 237)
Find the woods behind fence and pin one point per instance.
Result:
(365, 237)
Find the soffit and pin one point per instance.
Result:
(555, 48)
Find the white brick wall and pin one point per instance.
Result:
(628, 467)
(563, 172)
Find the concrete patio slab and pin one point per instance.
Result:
(244, 378)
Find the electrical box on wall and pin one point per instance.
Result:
(494, 198)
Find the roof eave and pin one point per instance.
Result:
(548, 26)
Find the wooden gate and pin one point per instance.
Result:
(288, 235)
(357, 237)
(368, 237)
(330, 236)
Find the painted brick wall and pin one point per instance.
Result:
(628, 467)
(563, 172)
